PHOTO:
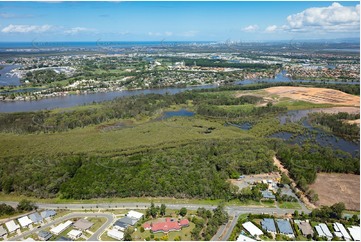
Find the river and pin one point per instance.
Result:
(76, 100)
(7, 77)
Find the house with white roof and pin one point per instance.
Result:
(323, 231)
(2, 231)
(243, 238)
(75, 234)
(341, 230)
(355, 232)
(115, 234)
(12, 226)
(134, 215)
(61, 227)
(25, 221)
(252, 229)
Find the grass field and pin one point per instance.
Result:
(98, 222)
(92, 141)
(299, 105)
(289, 205)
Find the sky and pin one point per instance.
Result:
(178, 21)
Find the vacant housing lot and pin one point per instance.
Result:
(334, 187)
(316, 95)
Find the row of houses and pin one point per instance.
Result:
(131, 218)
(25, 221)
(79, 226)
(284, 227)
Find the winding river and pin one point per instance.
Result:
(76, 100)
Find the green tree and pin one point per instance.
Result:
(162, 209)
(153, 210)
(337, 210)
(183, 212)
(26, 205)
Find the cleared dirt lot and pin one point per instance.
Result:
(335, 187)
(316, 95)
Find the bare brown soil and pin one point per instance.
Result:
(316, 95)
(357, 121)
(336, 187)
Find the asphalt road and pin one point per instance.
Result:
(94, 237)
(223, 233)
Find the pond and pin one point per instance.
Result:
(243, 126)
(179, 113)
(319, 136)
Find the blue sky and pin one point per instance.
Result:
(187, 21)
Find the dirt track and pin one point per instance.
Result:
(335, 187)
(303, 198)
(316, 95)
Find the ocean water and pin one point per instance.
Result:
(94, 44)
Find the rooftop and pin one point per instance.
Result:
(83, 224)
(284, 226)
(252, 229)
(269, 224)
(2, 231)
(305, 228)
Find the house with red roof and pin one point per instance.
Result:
(166, 226)
(184, 223)
(147, 226)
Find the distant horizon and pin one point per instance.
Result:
(178, 21)
(185, 41)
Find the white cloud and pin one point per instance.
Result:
(251, 28)
(154, 34)
(12, 15)
(76, 30)
(26, 28)
(160, 34)
(190, 33)
(271, 28)
(334, 18)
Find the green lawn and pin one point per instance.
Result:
(298, 105)
(243, 107)
(289, 205)
(105, 237)
(98, 222)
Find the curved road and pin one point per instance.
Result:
(94, 237)
(222, 234)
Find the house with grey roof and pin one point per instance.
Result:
(268, 224)
(35, 217)
(285, 227)
(44, 235)
(120, 225)
(268, 195)
(48, 213)
(128, 220)
(2, 231)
